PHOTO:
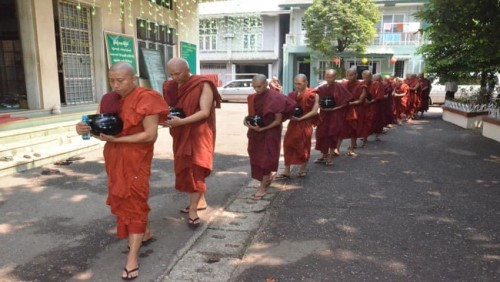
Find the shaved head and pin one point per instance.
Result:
(122, 66)
(301, 77)
(259, 83)
(178, 63)
(178, 69)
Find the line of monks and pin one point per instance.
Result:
(351, 109)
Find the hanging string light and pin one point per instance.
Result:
(130, 22)
(93, 8)
(110, 7)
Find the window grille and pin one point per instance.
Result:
(75, 29)
(208, 34)
(151, 35)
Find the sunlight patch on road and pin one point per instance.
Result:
(78, 198)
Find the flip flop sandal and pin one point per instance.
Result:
(282, 177)
(128, 272)
(257, 197)
(329, 163)
(320, 161)
(302, 174)
(193, 223)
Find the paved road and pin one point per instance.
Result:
(421, 205)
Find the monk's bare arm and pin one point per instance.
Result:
(150, 133)
(361, 99)
(314, 110)
(206, 104)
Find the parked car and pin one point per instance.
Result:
(236, 90)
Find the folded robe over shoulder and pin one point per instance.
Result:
(128, 165)
(193, 144)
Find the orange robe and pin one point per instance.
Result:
(355, 114)
(193, 144)
(264, 147)
(297, 142)
(401, 103)
(128, 165)
(371, 110)
(332, 126)
(415, 97)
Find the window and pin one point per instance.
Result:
(208, 34)
(165, 3)
(151, 35)
(323, 66)
(252, 33)
(392, 23)
(399, 68)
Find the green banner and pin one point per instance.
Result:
(154, 66)
(121, 48)
(188, 52)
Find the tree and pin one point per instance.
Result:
(464, 38)
(335, 26)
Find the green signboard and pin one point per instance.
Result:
(154, 66)
(188, 52)
(121, 48)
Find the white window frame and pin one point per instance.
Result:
(208, 34)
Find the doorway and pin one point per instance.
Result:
(12, 81)
(304, 67)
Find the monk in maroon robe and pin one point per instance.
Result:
(193, 133)
(371, 109)
(355, 112)
(332, 126)
(264, 138)
(415, 96)
(297, 142)
(128, 157)
(426, 87)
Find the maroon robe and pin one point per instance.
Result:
(355, 114)
(264, 147)
(332, 126)
(297, 142)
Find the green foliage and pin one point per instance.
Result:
(336, 25)
(464, 38)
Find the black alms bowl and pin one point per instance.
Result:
(327, 102)
(298, 112)
(176, 112)
(255, 120)
(109, 124)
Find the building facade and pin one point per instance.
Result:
(55, 53)
(239, 38)
(392, 51)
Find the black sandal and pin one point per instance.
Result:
(194, 222)
(186, 209)
(128, 272)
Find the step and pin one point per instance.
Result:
(49, 155)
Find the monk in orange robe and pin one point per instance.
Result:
(193, 133)
(414, 97)
(332, 126)
(370, 106)
(128, 157)
(380, 120)
(401, 95)
(297, 141)
(264, 139)
(355, 112)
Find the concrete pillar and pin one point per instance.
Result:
(36, 22)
